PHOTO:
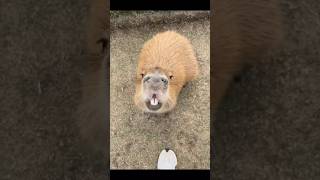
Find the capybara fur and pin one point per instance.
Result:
(243, 31)
(166, 63)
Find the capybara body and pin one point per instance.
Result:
(166, 63)
(93, 111)
(243, 31)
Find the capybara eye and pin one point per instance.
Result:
(104, 43)
(142, 75)
(171, 77)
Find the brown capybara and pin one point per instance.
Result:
(166, 63)
(93, 109)
(243, 31)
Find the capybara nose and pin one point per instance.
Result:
(155, 80)
(155, 83)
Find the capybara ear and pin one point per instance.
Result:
(97, 30)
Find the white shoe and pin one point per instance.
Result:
(167, 160)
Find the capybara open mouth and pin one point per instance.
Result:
(154, 103)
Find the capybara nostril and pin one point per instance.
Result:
(145, 79)
(165, 81)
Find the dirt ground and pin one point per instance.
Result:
(267, 128)
(137, 138)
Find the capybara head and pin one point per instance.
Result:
(156, 90)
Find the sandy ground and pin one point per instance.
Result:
(137, 138)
